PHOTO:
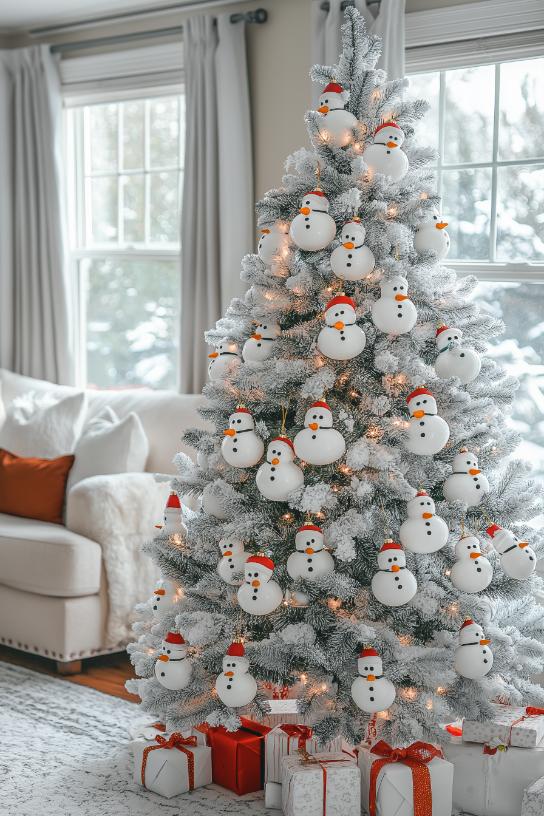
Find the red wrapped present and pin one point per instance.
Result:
(237, 756)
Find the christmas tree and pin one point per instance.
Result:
(358, 528)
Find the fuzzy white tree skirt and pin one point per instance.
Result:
(64, 753)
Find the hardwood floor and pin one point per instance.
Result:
(107, 673)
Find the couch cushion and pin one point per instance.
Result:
(32, 487)
(43, 425)
(47, 559)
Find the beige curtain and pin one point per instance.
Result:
(35, 335)
(217, 211)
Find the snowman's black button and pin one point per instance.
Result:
(272, 478)
(372, 699)
(478, 569)
(162, 674)
(155, 607)
(314, 436)
(371, 688)
(309, 560)
(348, 264)
(307, 218)
(478, 487)
(310, 569)
(462, 355)
(485, 661)
(399, 586)
(422, 423)
(272, 469)
(229, 688)
(397, 578)
(422, 434)
(235, 450)
(429, 532)
(254, 598)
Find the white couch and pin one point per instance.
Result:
(61, 593)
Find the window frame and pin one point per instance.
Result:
(74, 125)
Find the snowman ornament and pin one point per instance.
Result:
(336, 127)
(427, 433)
(224, 360)
(352, 260)
(518, 559)
(341, 338)
(235, 687)
(173, 523)
(259, 594)
(260, 345)
(313, 228)
(384, 155)
(172, 669)
(394, 312)
(241, 446)
(393, 584)
(473, 657)
(279, 476)
(164, 596)
(319, 443)
(431, 235)
(454, 359)
(371, 691)
(273, 246)
(466, 482)
(310, 559)
(233, 558)
(471, 572)
(423, 531)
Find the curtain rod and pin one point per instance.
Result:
(345, 3)
(258, 16)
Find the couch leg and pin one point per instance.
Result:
(73, 667)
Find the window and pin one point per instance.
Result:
(125, 174)
(487, 124)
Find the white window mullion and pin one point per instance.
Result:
(493, 213)
(120, 178)
(147, 179)
(441, 135)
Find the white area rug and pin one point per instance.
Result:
(63, 752)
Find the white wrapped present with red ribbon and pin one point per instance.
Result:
(509, 725)
(171, 765)
(320, 785)
(289, 738)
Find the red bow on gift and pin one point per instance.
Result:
(302, 732)
(416, 756)
(175, 740)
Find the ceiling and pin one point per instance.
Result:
(26, 14)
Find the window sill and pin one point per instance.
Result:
(513, 271)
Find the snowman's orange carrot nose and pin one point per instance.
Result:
(227, 553)
(523, 544)
(158, 526)
(349, 245)
(213, 355)
(265, 231)
(418, 414)
(427, 515)
(338, 325)
(371, 678)
(485, 642)
(441, 225)
(255, 584)
(475, 555)
(275, 461)
(256, 336)
(305, 210)
(474, 471)
(229, 674)
(392, 144)
(164, 658)
(313, 425)
(401, 297)
(395, 568)
(323, 109)
(309, 551)
(229, 432)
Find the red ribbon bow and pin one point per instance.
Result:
(303, 732)
(416, 756)
(175, 740)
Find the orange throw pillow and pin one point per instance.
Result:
(33, 487)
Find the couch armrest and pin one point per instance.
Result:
(119, 512)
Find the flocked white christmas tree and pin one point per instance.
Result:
(358, 452)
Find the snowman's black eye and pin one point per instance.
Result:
(168, 651)
(424, 402)
(238, 421)
(233, 665)
(468, 462)
(342, 312)
(371, 668)
(455, 337)
(394, 288)
(389, 560)
(435, 217)
(314, 416)
(429, 503)
(320, 416)
(395, 558)
(312, 541)
(418, 403)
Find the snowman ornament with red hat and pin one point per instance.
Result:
(310, 560)
(337, 126)
(393, 584)
(172, 669)
(259, 594)
(241, 446)
(235, 687)
(371, 691)
(313, 228)
(518, 559)
(318, 443)
(384, 155)
(172, 516)
(423, 531)
(394, 312)
(352, 260)
(473, 657)
(279, 476)
(455, 359)
(427, 433)
(341, 338)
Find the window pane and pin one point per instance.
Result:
(521, 351)
(427, 86)
(131, 322)
(467, 195)
(103, 137)
(103, 209)
(468, 121)
(182, 130)
(520, 204)
(133, 187)
(521, 127)
(133, 135)
(164, 132)
(164, 209)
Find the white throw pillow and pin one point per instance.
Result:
(110, 445)
(43, 425)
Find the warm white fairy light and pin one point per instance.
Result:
(345, 469)
(374, 432)
(454, 608)
(376, 95)
(287, 517)
(334, 604)
(409, 693)
(324, 687)
(303, 678)
(424, 196)
(429, 704)
(392, 211)
(405, 640)
(441, 690)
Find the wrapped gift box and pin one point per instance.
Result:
(533, 799)
(287, 739)
(521, 727)
(489, 782)
(171, 765)
(148, 730)
(272, 795)
(237, 756)
(320, 785)
(394, 782)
